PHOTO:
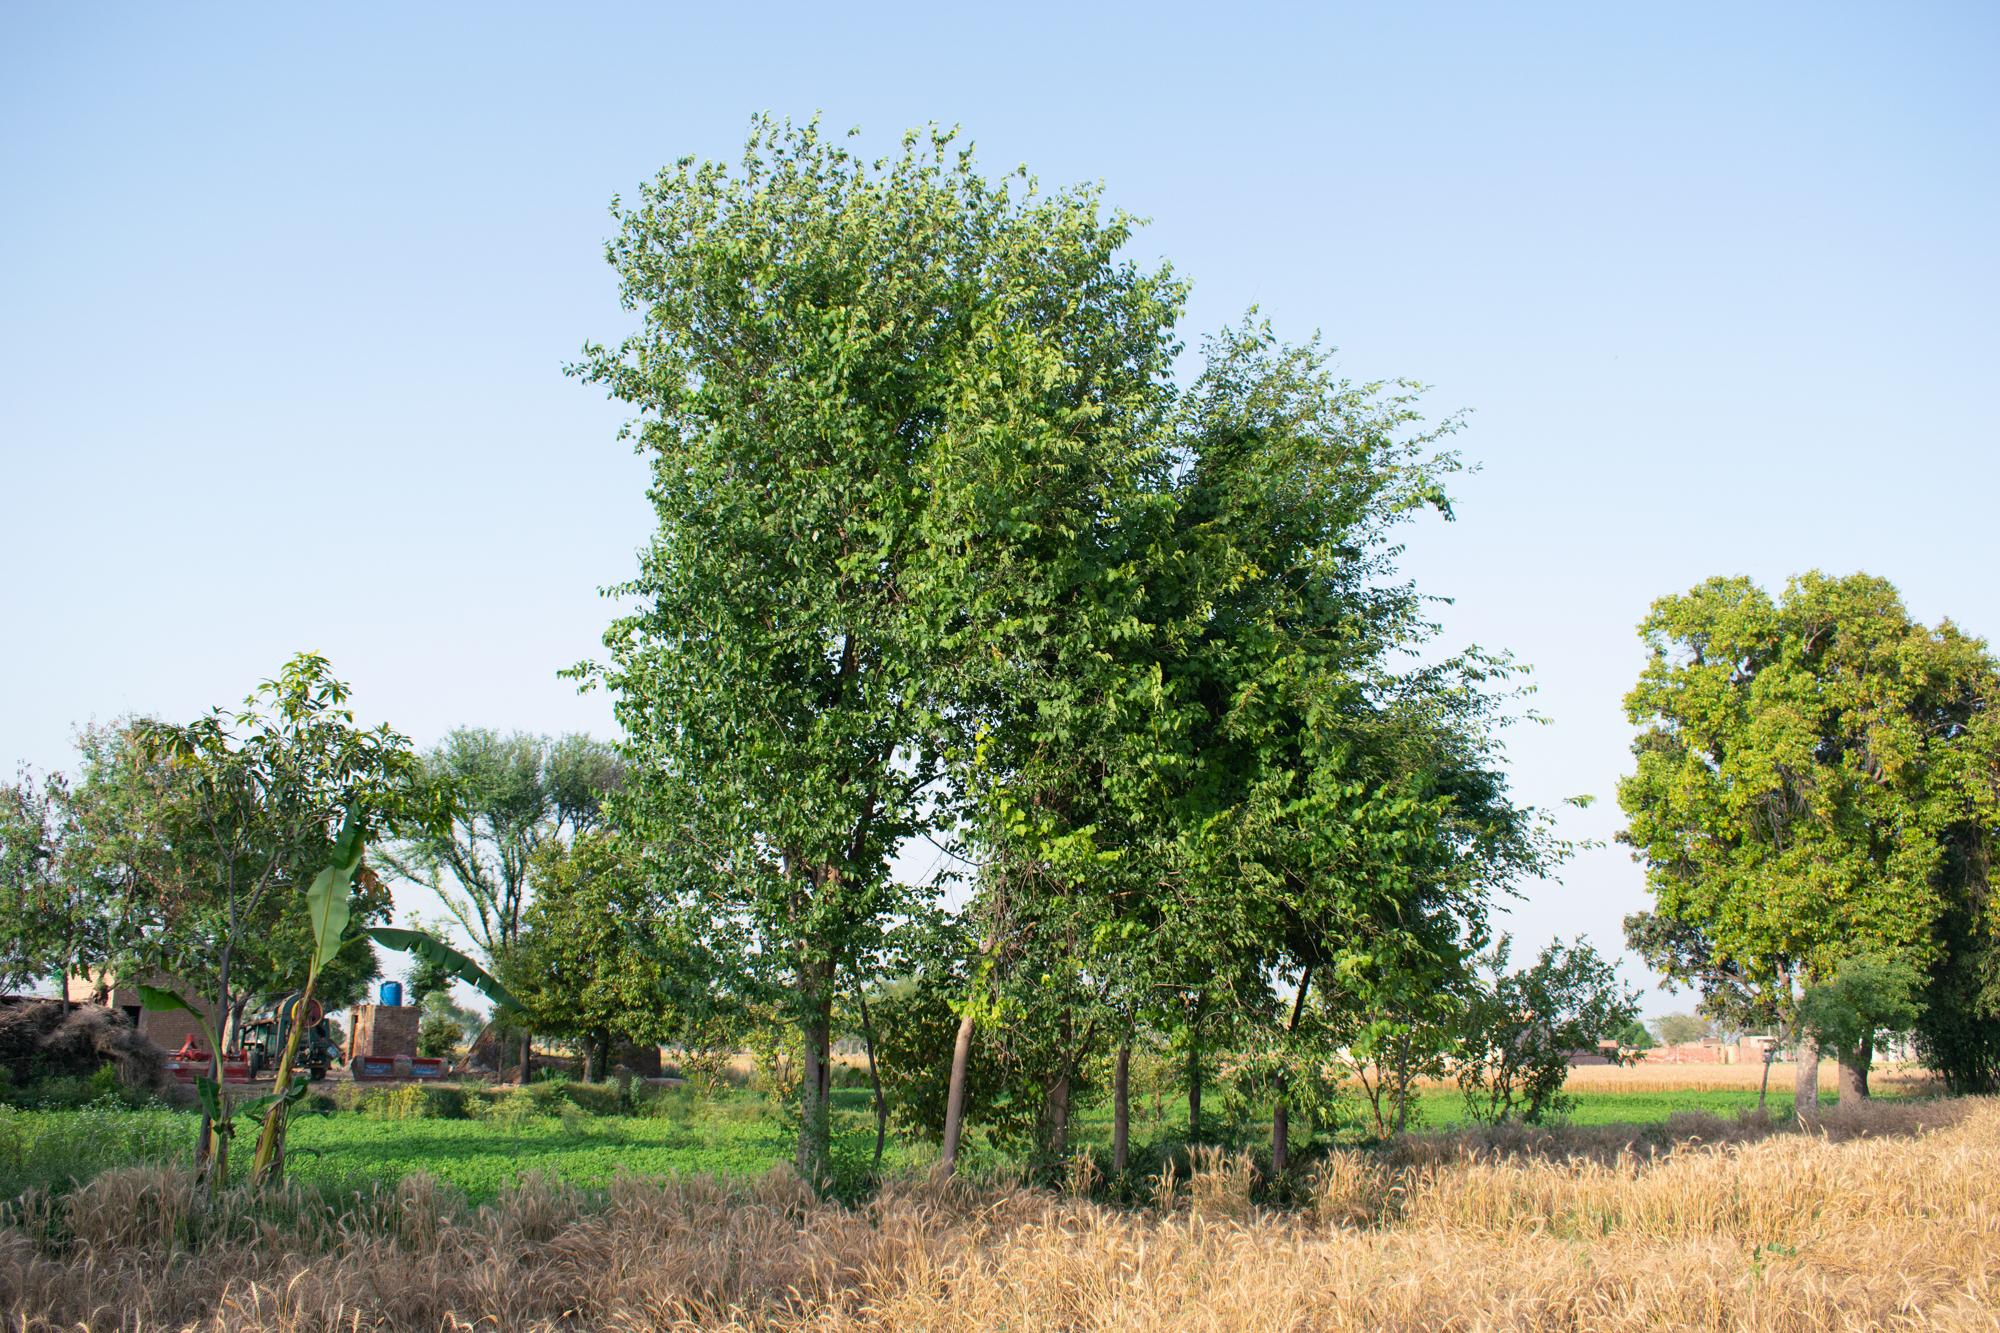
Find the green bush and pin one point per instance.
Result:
(682, 1105)
(408, 1102)
(596, 1098)
(70, 1092)
(447, 1104)
(439, 1036)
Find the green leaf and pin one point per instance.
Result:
(448, 958)
(210, 1093)
(161, 1001)
(327, 901)
(260, 1108)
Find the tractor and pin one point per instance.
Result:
(265, 1035)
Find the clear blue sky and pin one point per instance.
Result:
(285, 292)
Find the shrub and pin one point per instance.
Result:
(682, 1105)
(516, 1107)
(439, 1036)
(408, 1102)
(1519, 1031)
(596, 1098)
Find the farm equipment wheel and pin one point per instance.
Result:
(314, 1073)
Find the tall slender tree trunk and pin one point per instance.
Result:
(1281, 1111)
(874, 1077)
(815, 981)
(232, 1027)
(1805, 1087)
(1194, 1088)
(954, 1105)
(1121, 1110)
(527, 1054)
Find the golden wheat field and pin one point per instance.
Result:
(1884, 1219)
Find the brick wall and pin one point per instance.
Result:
(167, 1029)
(382, 1031)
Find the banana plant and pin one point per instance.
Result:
(221, 1116)
(328, 908)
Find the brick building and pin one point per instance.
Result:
(169, 1029)
(383, 1031)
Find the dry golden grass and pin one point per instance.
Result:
(1883, 1220)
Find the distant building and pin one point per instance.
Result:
(169, 1029)
(1713, 1051)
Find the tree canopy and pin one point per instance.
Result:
(874, 394)
(1811, 773)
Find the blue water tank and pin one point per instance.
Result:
(392, 993)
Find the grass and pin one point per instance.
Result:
(1882, 1219)
(58, 1149)
(733, 1135)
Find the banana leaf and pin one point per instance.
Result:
(326, 898)
(161, 1001)
(448, 958)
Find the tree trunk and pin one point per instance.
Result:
(527, 1054)
(1194, 1088)
(816, 1074)
(1056, 1104)
(590, 1058)
(874, 1076)
(232, 1030)
(954, 1105)
(1805, 1087)
(1121, 1110)
(1281, 1112)
(1854, 1072)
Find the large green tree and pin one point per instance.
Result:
(873, 393)
(54, 923)
(1207, 763)
(509, 796)
(213, 831)
(1805, 768)
(600, 958)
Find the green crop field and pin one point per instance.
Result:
(737, 1134)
